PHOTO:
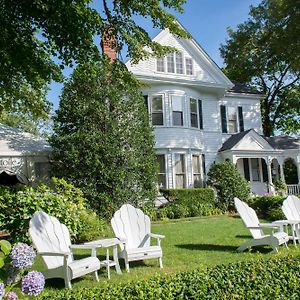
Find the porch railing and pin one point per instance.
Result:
(293, 189)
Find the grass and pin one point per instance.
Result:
(189, 244)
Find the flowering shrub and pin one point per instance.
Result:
(2, 290)
(33, 283)
(14, 266)
(22, 256)
(11, 296)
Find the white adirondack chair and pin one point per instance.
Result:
(250, 220)
(133, 228)
(52, 241)
(291, 210)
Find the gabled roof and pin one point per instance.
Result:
(284, 142)
(209, 72)
(243, 89)
(233, 140)
(17, 142)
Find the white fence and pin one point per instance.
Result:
(293, 189)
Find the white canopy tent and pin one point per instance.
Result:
(24, 155)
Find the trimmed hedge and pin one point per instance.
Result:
(268, 207)
(190, 196)
(276, 278)
(184, 203)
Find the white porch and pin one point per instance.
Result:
(261, 164)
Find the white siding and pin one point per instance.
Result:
(148, 67)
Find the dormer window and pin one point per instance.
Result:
(170, 63)
(175, 63)
(179, 62)
(161, 64)
(189, 66)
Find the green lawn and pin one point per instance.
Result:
(189, 244)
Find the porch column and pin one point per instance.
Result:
(281, 164)
(270, 182)
(298, 169)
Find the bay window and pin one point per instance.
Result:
(157, 110)
(180, 173)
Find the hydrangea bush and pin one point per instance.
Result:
(15, 264)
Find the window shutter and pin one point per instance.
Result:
(223, 118)
(146, 102)
(246, 168)
(200, 114)
(241, 118)
(203, 164)
(264, 170)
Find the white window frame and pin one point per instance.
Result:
(192, 64)
(164, 64)
(150, 97)
(236, 119)
(182, 96)
(197, 113)
(185, 183)
(200, 173)
(166, 169)
(174, 62)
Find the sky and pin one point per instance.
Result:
(206, 20)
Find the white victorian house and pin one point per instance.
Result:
(200, 116)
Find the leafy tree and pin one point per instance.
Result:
(25, 122)
(264, 52)
(228, 183)
(39, 38)
(102, 138)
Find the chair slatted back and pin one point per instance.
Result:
(49, 235)
(291, 207)
(131, 223)
(249, 217)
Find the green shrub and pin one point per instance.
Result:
(63, 201)
(268, 207)
(228, 183)
(190, 196)
(276, 278)
(91, 226)
(184, 203)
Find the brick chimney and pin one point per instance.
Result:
(109, 44)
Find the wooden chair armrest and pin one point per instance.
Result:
(156, 236)
(85, 246)
(269, 225)
(64, 254)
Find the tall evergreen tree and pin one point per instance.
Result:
(102, 139)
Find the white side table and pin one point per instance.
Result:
(108, 243)
(284, 224)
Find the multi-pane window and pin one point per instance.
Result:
(170, 63)
(177, 110)
(188, 66)
(162, 170)
(231, 119)
(157, 110)
(179, 62)
(160, 64)
(174, 63)
(194, 113)
(196, 171)
(179, 171)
